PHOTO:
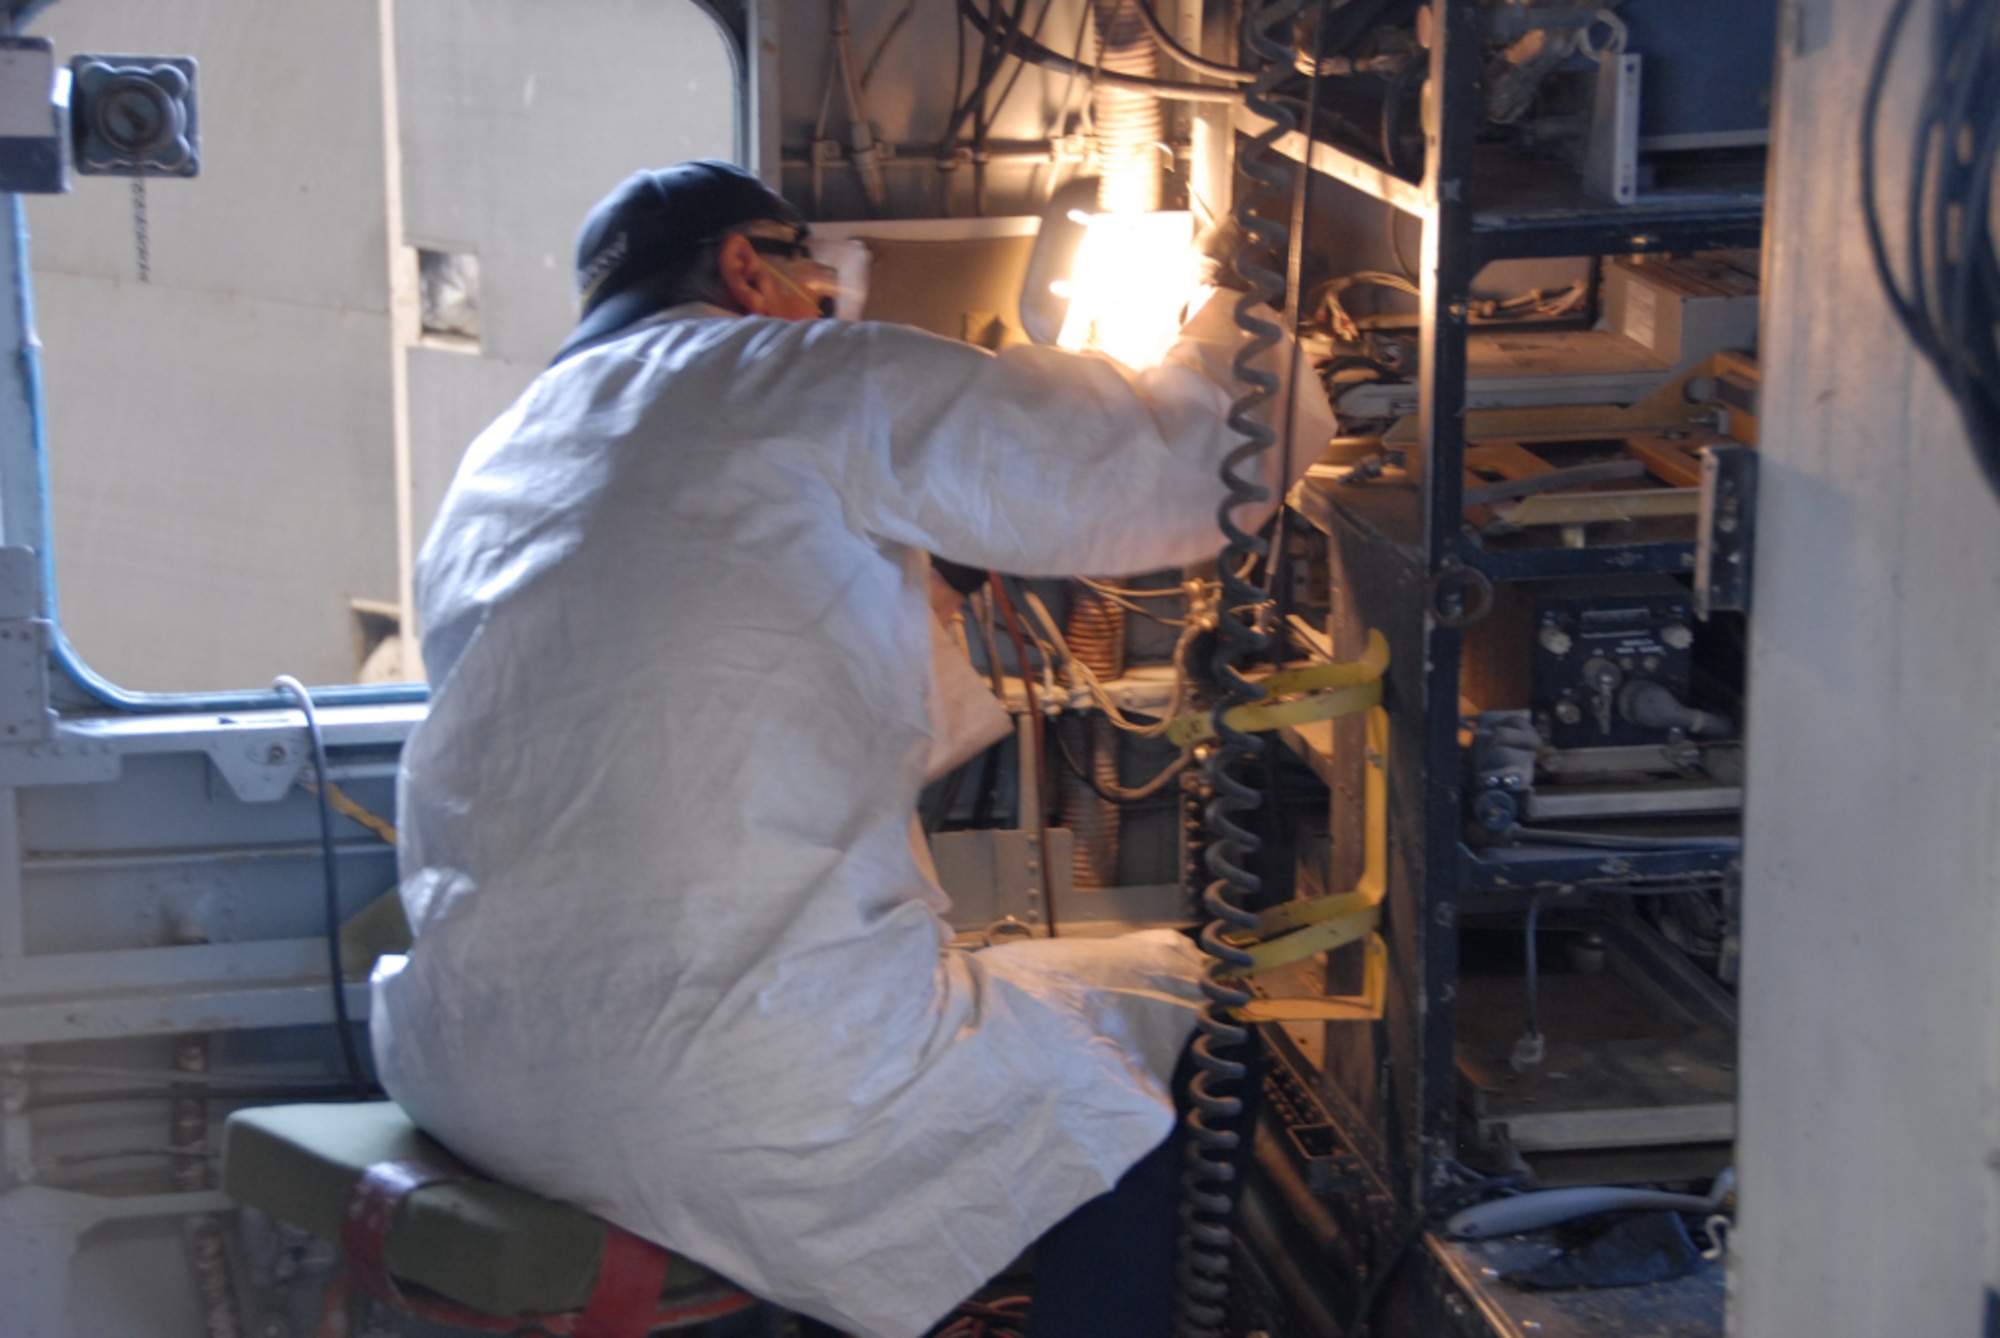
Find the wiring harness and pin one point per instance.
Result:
(1948, 296)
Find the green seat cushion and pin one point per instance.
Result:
(483, 1244)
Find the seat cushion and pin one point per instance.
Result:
(483, 1244)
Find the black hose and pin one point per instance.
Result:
(1125, 796)
(1007, 89)
(1018, 45)
(1392, 134)
(330, 876)
(1950, 301)
(989, 64)
(1180, 55)
(1349, 24)
(1555, 837)
(1447, 1203)
(945, 798)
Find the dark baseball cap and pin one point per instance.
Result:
(636, 243)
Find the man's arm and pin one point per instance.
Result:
(1049, 463)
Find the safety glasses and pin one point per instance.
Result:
(815, 282)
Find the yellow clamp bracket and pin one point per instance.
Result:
(1363, 1007)
(1316, 692)
(1296, 930)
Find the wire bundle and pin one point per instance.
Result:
(1948, 298)
(1002, 1317)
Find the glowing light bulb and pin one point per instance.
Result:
(1133, 274)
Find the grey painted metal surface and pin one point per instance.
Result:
(176, 892)
(1869, 931)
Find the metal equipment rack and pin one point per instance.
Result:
(1416, 572)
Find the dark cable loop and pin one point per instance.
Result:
(336, 968)
(1180, 55)
(1949, 299)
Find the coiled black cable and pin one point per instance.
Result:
(1949, 299)
(1221, 1051)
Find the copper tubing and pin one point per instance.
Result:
(1095, 634)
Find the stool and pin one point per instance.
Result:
(426, 1235)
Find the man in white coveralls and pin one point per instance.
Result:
(677, 959)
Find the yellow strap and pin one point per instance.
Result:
(338, 798)
(1256, 717)
(1294, 930)
(1363, 1007)
(1319, 677)
(1324, 936)
(1332, 690)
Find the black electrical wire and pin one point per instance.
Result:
(984, 111)
(330, 874)
(1059, 118)
(946, 797)
(1381, 372)
(1392, 135)
(957, 90)
(888, 36)
(1007, 89)
(1596, 841)
(1018, 45)
(1677, 888)
(986, 797)
(989, 64)
(1949, 298)
(1349, 24)
(1362, 140)
(1447, 1203)
(1180, 55)
(1396, 242)
(1123, 796)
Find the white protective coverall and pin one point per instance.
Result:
(676, 959)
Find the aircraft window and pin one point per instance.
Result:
(227, 358)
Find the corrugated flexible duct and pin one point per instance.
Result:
(1129, 123)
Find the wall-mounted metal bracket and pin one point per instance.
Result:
(1611, 162)
(34, 118)
(1727, 532)
(136, 116)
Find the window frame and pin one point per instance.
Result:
(27, 502)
